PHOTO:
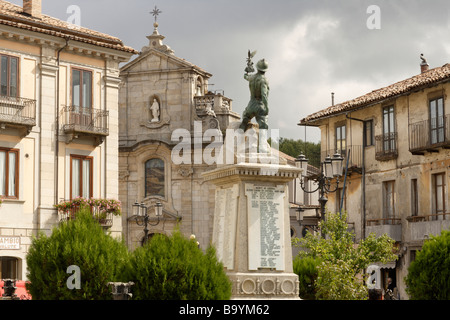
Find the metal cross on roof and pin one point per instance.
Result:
(155, 13)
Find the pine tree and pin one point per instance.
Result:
(174, 268)
(82, 243)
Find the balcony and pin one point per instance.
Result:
(429, 135)
(18, 113)
(79, 122)
(386, 146)
(389, 226)
(355, 160)
(423, 226)
(102, 210)
(211, 103)
(104, 219)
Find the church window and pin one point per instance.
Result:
(154, 178)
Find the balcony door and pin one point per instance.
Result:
(340, 145)
(389, 129)
(9, 76)
(437, 126)
(81, 109)
(80, 176)
(439, 195)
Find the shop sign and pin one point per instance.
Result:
(9, 243)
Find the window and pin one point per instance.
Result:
(9, 268)
(368, 133)
(437, 126)
(81, 88)
(389, 201)
(154, 178)
(412, 255)
(80, 176)
(414, 198)
(389, 129)
(9, 79)
(438, 193)
(340, 140)
(9, 173)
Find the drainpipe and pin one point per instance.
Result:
(363, 178)
(57, 122)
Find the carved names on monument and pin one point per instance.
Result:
(265, 226)
(224, 235)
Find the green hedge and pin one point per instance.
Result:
(174, 268)
(307, 270)
(165, 268)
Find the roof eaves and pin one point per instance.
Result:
(12, 15)
(386, 93)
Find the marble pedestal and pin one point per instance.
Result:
(251, 231)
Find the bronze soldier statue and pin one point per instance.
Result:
(258, 107)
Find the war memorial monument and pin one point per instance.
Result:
(251, 220)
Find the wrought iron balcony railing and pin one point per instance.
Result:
(386, 146)
(105, 219)
(17, 111)
(78, 121)
(429, 135)
(355, 159)
(429, 217)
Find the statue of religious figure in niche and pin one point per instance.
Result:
(154, 110)
(258, 106)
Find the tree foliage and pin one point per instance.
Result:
(165, 268)
(174, 268)
(429, 274)
(341, 272)
(296, 147)
(80, 242)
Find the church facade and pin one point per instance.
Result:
(163, 100)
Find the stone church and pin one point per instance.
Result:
(162, 95)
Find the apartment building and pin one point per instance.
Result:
(396, 141)
(58, 124)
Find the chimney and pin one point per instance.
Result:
(33, 8)
(424, 64)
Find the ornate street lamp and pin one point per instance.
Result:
(140, 213)
(330, 168)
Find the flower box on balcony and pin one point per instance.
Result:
(102, 210)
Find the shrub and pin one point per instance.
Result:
(174, 268)
(429, 274)
(80, 242)
(306, 269)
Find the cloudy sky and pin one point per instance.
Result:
(314, 47)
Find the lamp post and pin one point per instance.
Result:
(140, 213)
(330, 168)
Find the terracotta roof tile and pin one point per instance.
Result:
(427, 78)
(12, 15)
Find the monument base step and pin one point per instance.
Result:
(264, 285)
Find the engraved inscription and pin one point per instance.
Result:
(265, 217)
(225, 225)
